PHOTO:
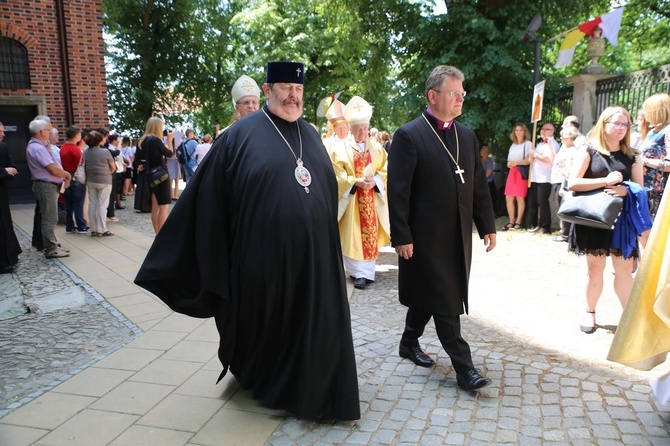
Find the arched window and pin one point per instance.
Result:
(14, 70)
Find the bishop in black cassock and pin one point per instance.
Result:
(258, 249)
(436, 188)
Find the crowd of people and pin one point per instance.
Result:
(320, 207)
(611, 157)
(319, 210)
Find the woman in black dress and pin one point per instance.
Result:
(606, 161)
(155, 151)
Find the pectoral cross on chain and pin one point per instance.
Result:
(460, 173)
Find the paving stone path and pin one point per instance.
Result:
(69, 328)
(551, 383)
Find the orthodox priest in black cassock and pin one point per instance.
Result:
(258, 249)
(9, 245)
(436, 188)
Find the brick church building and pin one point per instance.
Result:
(51, 63)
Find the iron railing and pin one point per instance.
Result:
(559, 107)
(630, 90)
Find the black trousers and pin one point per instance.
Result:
(448, 331)
(565, 226)
(543, 194)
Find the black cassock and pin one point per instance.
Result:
(142, 192)
(263, 257)
(9, 245)
(430, 207)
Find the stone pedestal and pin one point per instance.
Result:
(584, 98)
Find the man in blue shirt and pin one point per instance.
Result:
(189, 149)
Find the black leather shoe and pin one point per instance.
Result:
(471, 380)
(8, 269)
(416, 355)
(360, 283)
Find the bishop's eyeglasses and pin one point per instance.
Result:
(248, 102)
(453, 93)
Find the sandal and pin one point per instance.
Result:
(106, 234)
(517, 226)
(507, 227)
(588, 324)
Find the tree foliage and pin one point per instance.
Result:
(170, 55)
(147, 48)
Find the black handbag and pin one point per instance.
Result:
(594, 208)
(157, 175)
(524, 170)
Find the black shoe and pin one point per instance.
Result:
(471, 380)
(8, 269)
(360, 283)
(416, 355)
(116, 206)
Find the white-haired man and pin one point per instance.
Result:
(48, 176)
(360, 167)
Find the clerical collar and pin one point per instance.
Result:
(440, 123)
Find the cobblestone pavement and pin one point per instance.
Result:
(69, 327)
(539, 395)
(551, 383)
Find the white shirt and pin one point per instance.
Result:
(516, 151)
(200, 151)
(562, 164)
(56, 151)
(541, 171)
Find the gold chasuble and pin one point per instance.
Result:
(363, 215)
(642, 339)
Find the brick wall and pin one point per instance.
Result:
(34, 23)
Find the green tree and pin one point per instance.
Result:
(170, 55)
(148, 47)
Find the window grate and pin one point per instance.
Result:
(14, 69)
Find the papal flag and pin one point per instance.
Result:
(609, 24)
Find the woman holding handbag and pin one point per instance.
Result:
(605, 162)
(99, 165)
(155, 151)
(516, 187)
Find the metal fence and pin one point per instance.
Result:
(630, 90)
(559, 107)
